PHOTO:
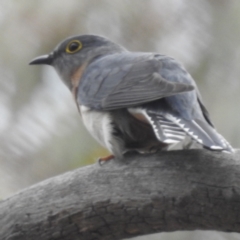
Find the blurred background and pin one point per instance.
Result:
(41, 134)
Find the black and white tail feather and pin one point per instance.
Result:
(172, 130)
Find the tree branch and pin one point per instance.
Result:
(142, 194)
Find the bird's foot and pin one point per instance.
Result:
(103, 160)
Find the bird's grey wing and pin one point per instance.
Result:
(126, 80)
(210, 129)
(203, 108)
(205, 112)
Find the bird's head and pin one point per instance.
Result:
(74, 52)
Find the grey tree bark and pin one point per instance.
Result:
(141, 194)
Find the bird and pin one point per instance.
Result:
(133, 101)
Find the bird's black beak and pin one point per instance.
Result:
(45, 59)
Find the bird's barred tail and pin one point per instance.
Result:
(170, 129)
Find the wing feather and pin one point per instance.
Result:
(132, 79)
(172, 129)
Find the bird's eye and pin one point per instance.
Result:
(73, 46)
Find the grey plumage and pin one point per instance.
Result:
(127, 79)
(141, 100)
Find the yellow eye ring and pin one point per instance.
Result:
(73, 46)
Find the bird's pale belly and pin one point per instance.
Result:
(98, 124)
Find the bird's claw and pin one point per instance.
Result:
(103, 160)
